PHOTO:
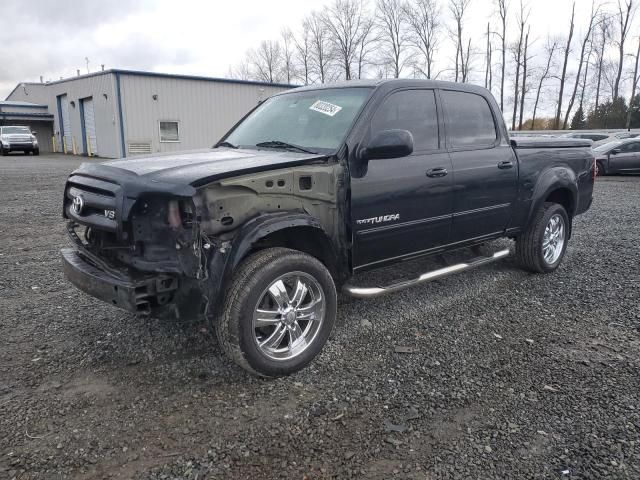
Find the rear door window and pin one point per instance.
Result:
(413, 110)
(470, 123)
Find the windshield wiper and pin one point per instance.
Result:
(226, 144)
(285, 145)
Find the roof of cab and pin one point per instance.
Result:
(393, 83)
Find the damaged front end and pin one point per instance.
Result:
(135, 245)
(167, 250)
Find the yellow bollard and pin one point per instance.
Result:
(75, 148)
(53, 143)
(89, 152)
(64, 144)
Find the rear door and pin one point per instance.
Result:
(628, 160)
(403, 206)
(485, 170)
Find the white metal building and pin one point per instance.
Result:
(118, 113)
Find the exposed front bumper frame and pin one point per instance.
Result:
(136, 294)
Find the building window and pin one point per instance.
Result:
(169, 131)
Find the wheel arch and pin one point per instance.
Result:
(295, 230)
(556, 185)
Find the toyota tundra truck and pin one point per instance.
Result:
(258, 233)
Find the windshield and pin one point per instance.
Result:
(316, 120)
(12, 130)
(606, 147)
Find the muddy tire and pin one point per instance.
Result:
(278, 312)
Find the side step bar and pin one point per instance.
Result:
(370, 292)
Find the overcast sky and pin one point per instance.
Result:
(201, 37)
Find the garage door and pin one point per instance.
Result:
(66, 123)
(90, 127)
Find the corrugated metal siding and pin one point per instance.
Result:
(107, 124)
(204, 109)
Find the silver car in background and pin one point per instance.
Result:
(18, 139)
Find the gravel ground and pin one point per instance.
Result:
(508, 375)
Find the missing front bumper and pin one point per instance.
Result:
(141, 294)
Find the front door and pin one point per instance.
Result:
(485, 170)
(628, 160)
(402, 206)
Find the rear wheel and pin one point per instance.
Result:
(542, 247)
(278, 312)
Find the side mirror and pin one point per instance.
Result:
(615, 151)
(34, 133)
(387, 144)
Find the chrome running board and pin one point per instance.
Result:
(370, 292)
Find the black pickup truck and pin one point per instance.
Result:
(312, 186)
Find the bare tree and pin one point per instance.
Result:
(423, 17)
(634, 86)
(517, 54)
(303, 50)
(625, 16)
(595, 13)
(586, 74)
(525, 85)
(287, 53)
(502, 11)
(391, 23)
(344, 21)
(563, 76)
(603, 36)
(487, 56)
(366, 44)
(319, 45)
(551, 49)
(267, 61)
(458, 9)
(242, 71)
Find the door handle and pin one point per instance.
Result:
(437, 172)
(505, 165)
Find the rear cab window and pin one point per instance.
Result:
(470, 123)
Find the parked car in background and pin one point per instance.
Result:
(618, 156)
(595, 137)
(601, 138)
(18, 139)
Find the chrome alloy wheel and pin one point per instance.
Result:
(553, 239)
(288, 315)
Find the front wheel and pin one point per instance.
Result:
(278, 313)
(542, 246)
(601, 170)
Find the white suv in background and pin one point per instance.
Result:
(18, 139)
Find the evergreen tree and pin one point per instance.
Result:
(579, 122)
(610, 114)
(635, 112)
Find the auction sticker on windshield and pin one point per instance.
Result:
(325, 107)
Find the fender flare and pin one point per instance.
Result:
(551, 179)
(228, 256)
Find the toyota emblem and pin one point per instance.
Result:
(77, 205)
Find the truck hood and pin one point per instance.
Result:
(199, 167)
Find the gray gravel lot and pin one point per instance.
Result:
(511, 375)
